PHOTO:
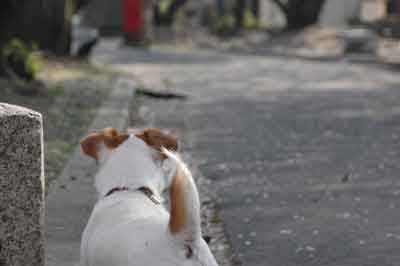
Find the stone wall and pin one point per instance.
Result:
(21, 187)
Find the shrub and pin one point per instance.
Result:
(18, 61)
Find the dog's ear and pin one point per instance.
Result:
(109, 137)
(184, 220)
(156, 139)
(89, 145)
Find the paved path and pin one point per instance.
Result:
(304, 156)
(72, 196)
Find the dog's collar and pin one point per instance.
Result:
(149, 193)
(145, 190)
(116, 189)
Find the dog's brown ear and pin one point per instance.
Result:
(89, 145)
(108, 136)
(184, 221)
(156, 139)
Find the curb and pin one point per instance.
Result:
(72, 196)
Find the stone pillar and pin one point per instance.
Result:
(21, 187)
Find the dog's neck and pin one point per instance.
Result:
(132, 165)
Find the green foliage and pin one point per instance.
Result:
(250, 21)
(225, 24)
(18, 59)
(164, 6)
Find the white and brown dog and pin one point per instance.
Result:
(129, 225)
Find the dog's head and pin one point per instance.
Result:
(98, 145)
(131, 160)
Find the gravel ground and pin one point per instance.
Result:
(302, 155)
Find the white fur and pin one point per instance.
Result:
(127, 228)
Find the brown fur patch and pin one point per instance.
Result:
(112, 139)
(109, 136)
(89, 145)
(178, 217)
(157, 139)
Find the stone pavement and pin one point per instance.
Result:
(303, 156)
(72, 196)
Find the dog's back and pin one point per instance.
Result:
(124, 228)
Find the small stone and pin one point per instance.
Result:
(391, 235)
(396, 192)
(310, 248)
(249, 200)
(286, 232)
(298, 250)
(221, 247)
(345, 215)
(298, 217)
(345, 178)
(222, 166)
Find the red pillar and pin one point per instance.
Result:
(132, 16)
(398, 7)
(136, 21)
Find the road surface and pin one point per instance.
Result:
(303, 155)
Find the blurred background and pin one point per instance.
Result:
(38, 39)
(71, 27)
(288, 109)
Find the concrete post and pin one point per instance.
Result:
(21, 187)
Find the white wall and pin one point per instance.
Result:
(271, 15)
(337, 13)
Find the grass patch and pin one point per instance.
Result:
(69, 100)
